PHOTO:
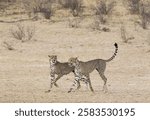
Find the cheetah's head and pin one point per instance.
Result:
(52, 59)
(73, 61)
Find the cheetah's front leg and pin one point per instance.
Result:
(52, 81)
(76, 84)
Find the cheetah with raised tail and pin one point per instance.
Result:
(83, 69)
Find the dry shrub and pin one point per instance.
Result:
(134, 6)
(74, 22)
(96, 25)
(30, 31)
(103, 9)
(142, 9)
(3, 5)
(74, 5)
(7, 0)
(145, 14)
(22, 32)
(39, 6)
(19, 32)
(123, 33)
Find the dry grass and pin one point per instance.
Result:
(74, 22)
(74, 5)
(142, 9)
(134, 6)
(145, 14)
(103, 9)
(18, 33)
(22, 32)
(123, 33)
(96, 25)
(39, 6)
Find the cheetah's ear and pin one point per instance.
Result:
(76, 58)
(49, 56)
(56, 56)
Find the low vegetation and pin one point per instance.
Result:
(103, 9)
(22, 32)
(142, 9)
(76, 6)
(39, 6)
(134, 6)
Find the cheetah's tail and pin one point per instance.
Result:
(114, 55)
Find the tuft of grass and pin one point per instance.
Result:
(134, 6)
(22, 32)
(142, 9)
(76, 6)
(103, 9)
(18, 33)
(125, 37)
(39, 6)
(74, 22)
(144, 14)
(123, 34)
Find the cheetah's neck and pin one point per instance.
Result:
(78, 68)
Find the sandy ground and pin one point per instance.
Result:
(24, 72)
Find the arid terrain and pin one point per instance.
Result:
(24, 71)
